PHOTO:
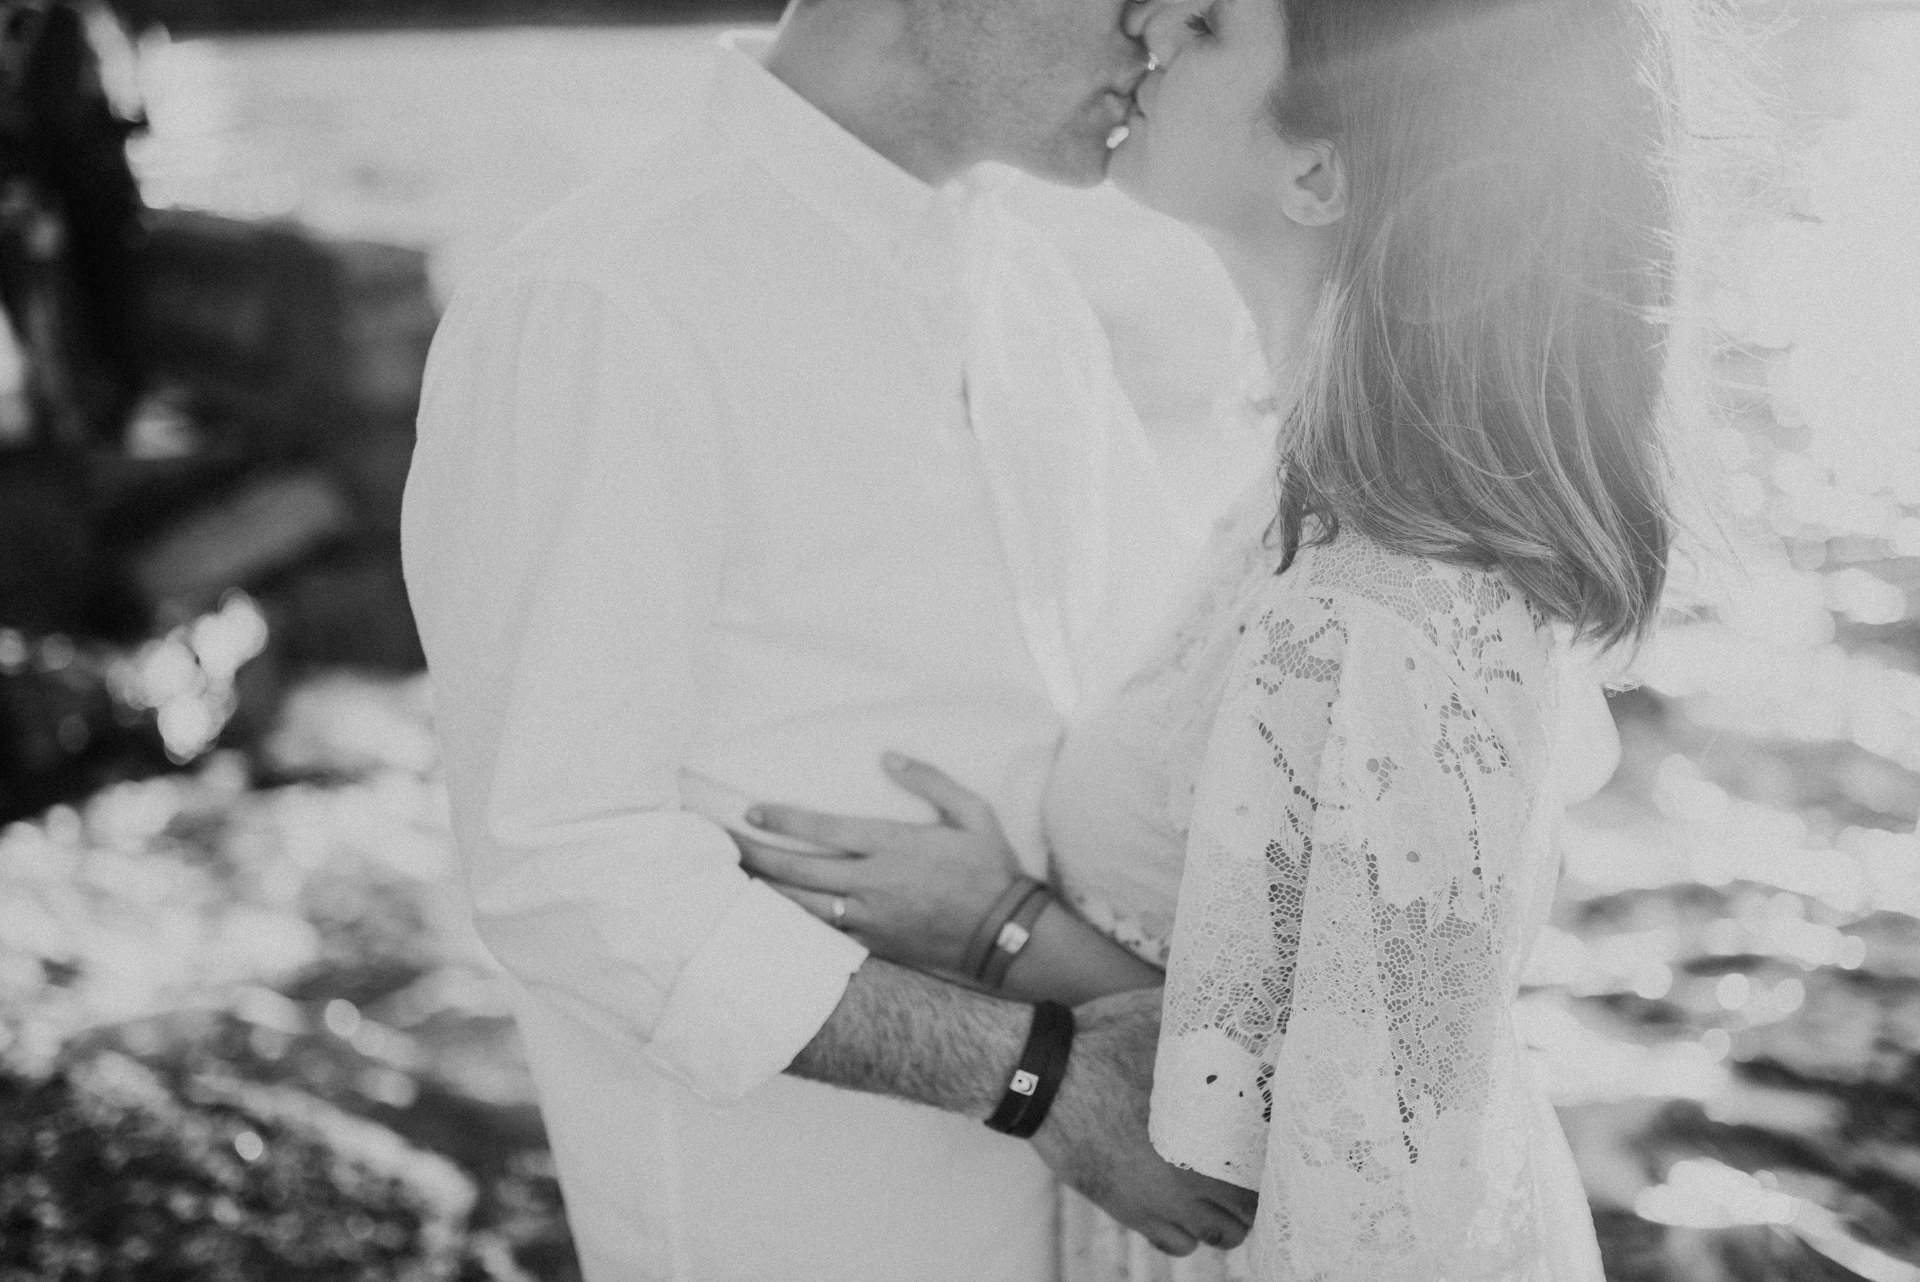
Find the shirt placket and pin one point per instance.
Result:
(929, 258)
(1016, 479)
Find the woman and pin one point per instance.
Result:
(1451, 221)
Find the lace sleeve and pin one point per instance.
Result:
(1337, 1029)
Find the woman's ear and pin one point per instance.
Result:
(1315, 190)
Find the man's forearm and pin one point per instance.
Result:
(899, 1032)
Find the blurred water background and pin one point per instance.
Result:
(254, 966)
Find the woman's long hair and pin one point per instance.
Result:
(1486, 377)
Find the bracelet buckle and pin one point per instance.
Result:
(1035, 1080)
(992, 946)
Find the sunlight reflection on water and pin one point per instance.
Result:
(433, 139)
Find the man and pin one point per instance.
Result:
(757, 459)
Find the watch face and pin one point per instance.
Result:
(1023, 1083)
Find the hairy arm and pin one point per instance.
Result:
(898, 1032)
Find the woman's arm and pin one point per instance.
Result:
(915, 893)
(1069, 960)
(1338, 1028)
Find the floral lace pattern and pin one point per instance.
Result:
(1367, 855)
(1122, 790)
(1118, 805)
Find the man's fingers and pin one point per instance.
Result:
(841, 832)
(1238, 1204)
(1222, 1212)
(1216, 1226)
(958, 807)
(832, 874)
(1171, 1239)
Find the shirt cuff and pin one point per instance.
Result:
(759, 988)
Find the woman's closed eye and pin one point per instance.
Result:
(1200, 23)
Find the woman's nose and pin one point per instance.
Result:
(1158, 25)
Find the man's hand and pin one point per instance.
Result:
(1095, 1137)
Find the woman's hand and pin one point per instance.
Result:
(912, 893)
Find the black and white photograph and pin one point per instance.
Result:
(960, 641)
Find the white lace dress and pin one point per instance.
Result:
(1357, 763)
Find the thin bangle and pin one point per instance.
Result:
(1013, 936)
(974, 961)
(1036, 1079)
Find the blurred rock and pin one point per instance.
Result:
(267, 524)
(387, 325)
(56, 574)
(347, 609)
(283, 333)
(1852, 1028)
(1891, 945)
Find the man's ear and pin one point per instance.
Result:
(1314, 191)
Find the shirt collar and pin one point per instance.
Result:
(869, 197)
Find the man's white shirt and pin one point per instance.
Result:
(756, 459)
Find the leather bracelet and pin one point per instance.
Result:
(1036, 1079)
(973, 962)
(1013, 936)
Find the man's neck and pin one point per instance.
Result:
(848, 58)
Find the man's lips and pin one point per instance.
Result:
(1120, 104)
(1125, 105)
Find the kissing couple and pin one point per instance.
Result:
(849, 742)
